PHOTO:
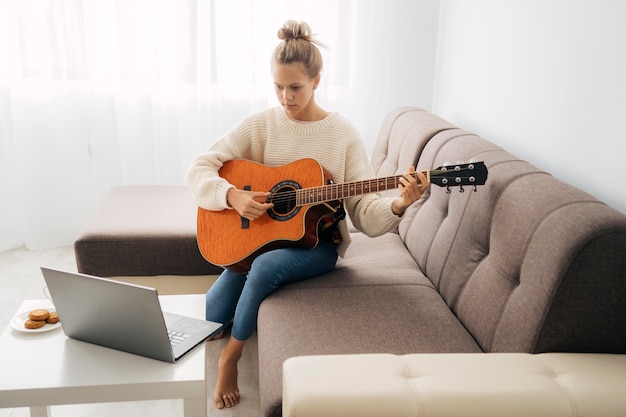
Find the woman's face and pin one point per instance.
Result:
(294, 90)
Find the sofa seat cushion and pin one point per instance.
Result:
(396, 319)
(381, 304)
(495, 384)
(392, 264)
(142, 231)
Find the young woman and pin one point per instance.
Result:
(298, 129)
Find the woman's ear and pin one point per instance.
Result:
(316, 80)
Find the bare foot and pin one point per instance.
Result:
(226, 389)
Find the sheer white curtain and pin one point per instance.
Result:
(99, 93)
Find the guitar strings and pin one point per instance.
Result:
(315, 193)
(331, 191)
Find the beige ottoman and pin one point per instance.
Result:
(455, 385)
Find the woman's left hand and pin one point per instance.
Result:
(411, 189)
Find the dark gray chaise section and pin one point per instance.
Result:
(142, 231)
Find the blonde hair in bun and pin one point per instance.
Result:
(298, 45)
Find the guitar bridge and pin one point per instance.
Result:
(245, 223)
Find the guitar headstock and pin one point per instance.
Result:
(473, 173)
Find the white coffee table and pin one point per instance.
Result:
(38, 370)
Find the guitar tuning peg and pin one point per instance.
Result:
(475, 188)
(461, 189)
(448, 191)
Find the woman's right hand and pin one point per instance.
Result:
(249, 204)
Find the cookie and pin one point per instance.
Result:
(54, 318)
(34, 324)
(39, 315)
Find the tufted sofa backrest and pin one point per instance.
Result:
(527, 263)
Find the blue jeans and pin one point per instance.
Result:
(237, 297)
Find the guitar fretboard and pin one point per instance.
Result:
(333, 192)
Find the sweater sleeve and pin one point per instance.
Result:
(207, 187)
(370, 213)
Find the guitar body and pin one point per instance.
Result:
(226, 239)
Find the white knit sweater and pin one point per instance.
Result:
(272, 139)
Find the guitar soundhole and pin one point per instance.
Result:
(283, 195)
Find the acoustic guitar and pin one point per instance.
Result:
(303, 193)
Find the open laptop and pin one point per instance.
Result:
(123, 316)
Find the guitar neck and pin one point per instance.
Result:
(331, 192)
(473, 174)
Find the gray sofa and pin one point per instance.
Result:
(526, 263)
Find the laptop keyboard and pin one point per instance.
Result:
(176, 337)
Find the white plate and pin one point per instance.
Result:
(17, 322)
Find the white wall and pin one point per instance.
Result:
(392, 62)
(545, 79)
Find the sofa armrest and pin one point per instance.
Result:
(455, 384)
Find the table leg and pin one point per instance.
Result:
(42, 411)
(195, 407)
